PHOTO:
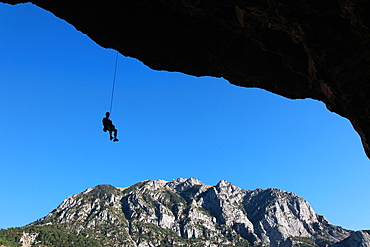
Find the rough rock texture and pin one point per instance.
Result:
(186, 212)
(28, 239)
(298, 49)
(356, 239)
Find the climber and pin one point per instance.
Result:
(108, 125)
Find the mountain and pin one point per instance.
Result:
(186, 212)
(358, 239)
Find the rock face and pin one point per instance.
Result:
(28, 239)
(356, 239)
(307, 49)
(186, 212)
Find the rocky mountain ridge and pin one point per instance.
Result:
(186, 212)
(183, 212)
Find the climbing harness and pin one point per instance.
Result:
(113, 85)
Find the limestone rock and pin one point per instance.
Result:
(28, 239)
(190, 213)
(356, 239)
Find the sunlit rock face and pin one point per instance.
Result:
(358, 239)
(298, 49)
(187, 212)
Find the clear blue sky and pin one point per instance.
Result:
(55, 86)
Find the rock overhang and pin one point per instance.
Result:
(307, 49)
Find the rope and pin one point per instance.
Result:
(114, 83)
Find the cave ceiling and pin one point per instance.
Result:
(298, 49)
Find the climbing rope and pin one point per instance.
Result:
(114, 83)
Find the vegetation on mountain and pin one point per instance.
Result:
(7, 243)
(46, 236)
(183, 212)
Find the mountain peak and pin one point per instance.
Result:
(224, 183)
(182, 183)
(184, 210)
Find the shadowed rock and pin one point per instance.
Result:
(190, 213)
(298, 49)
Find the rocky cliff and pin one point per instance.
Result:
(298, 49)
(186, 212)
(358, 239)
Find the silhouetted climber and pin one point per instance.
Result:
(108, 125)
